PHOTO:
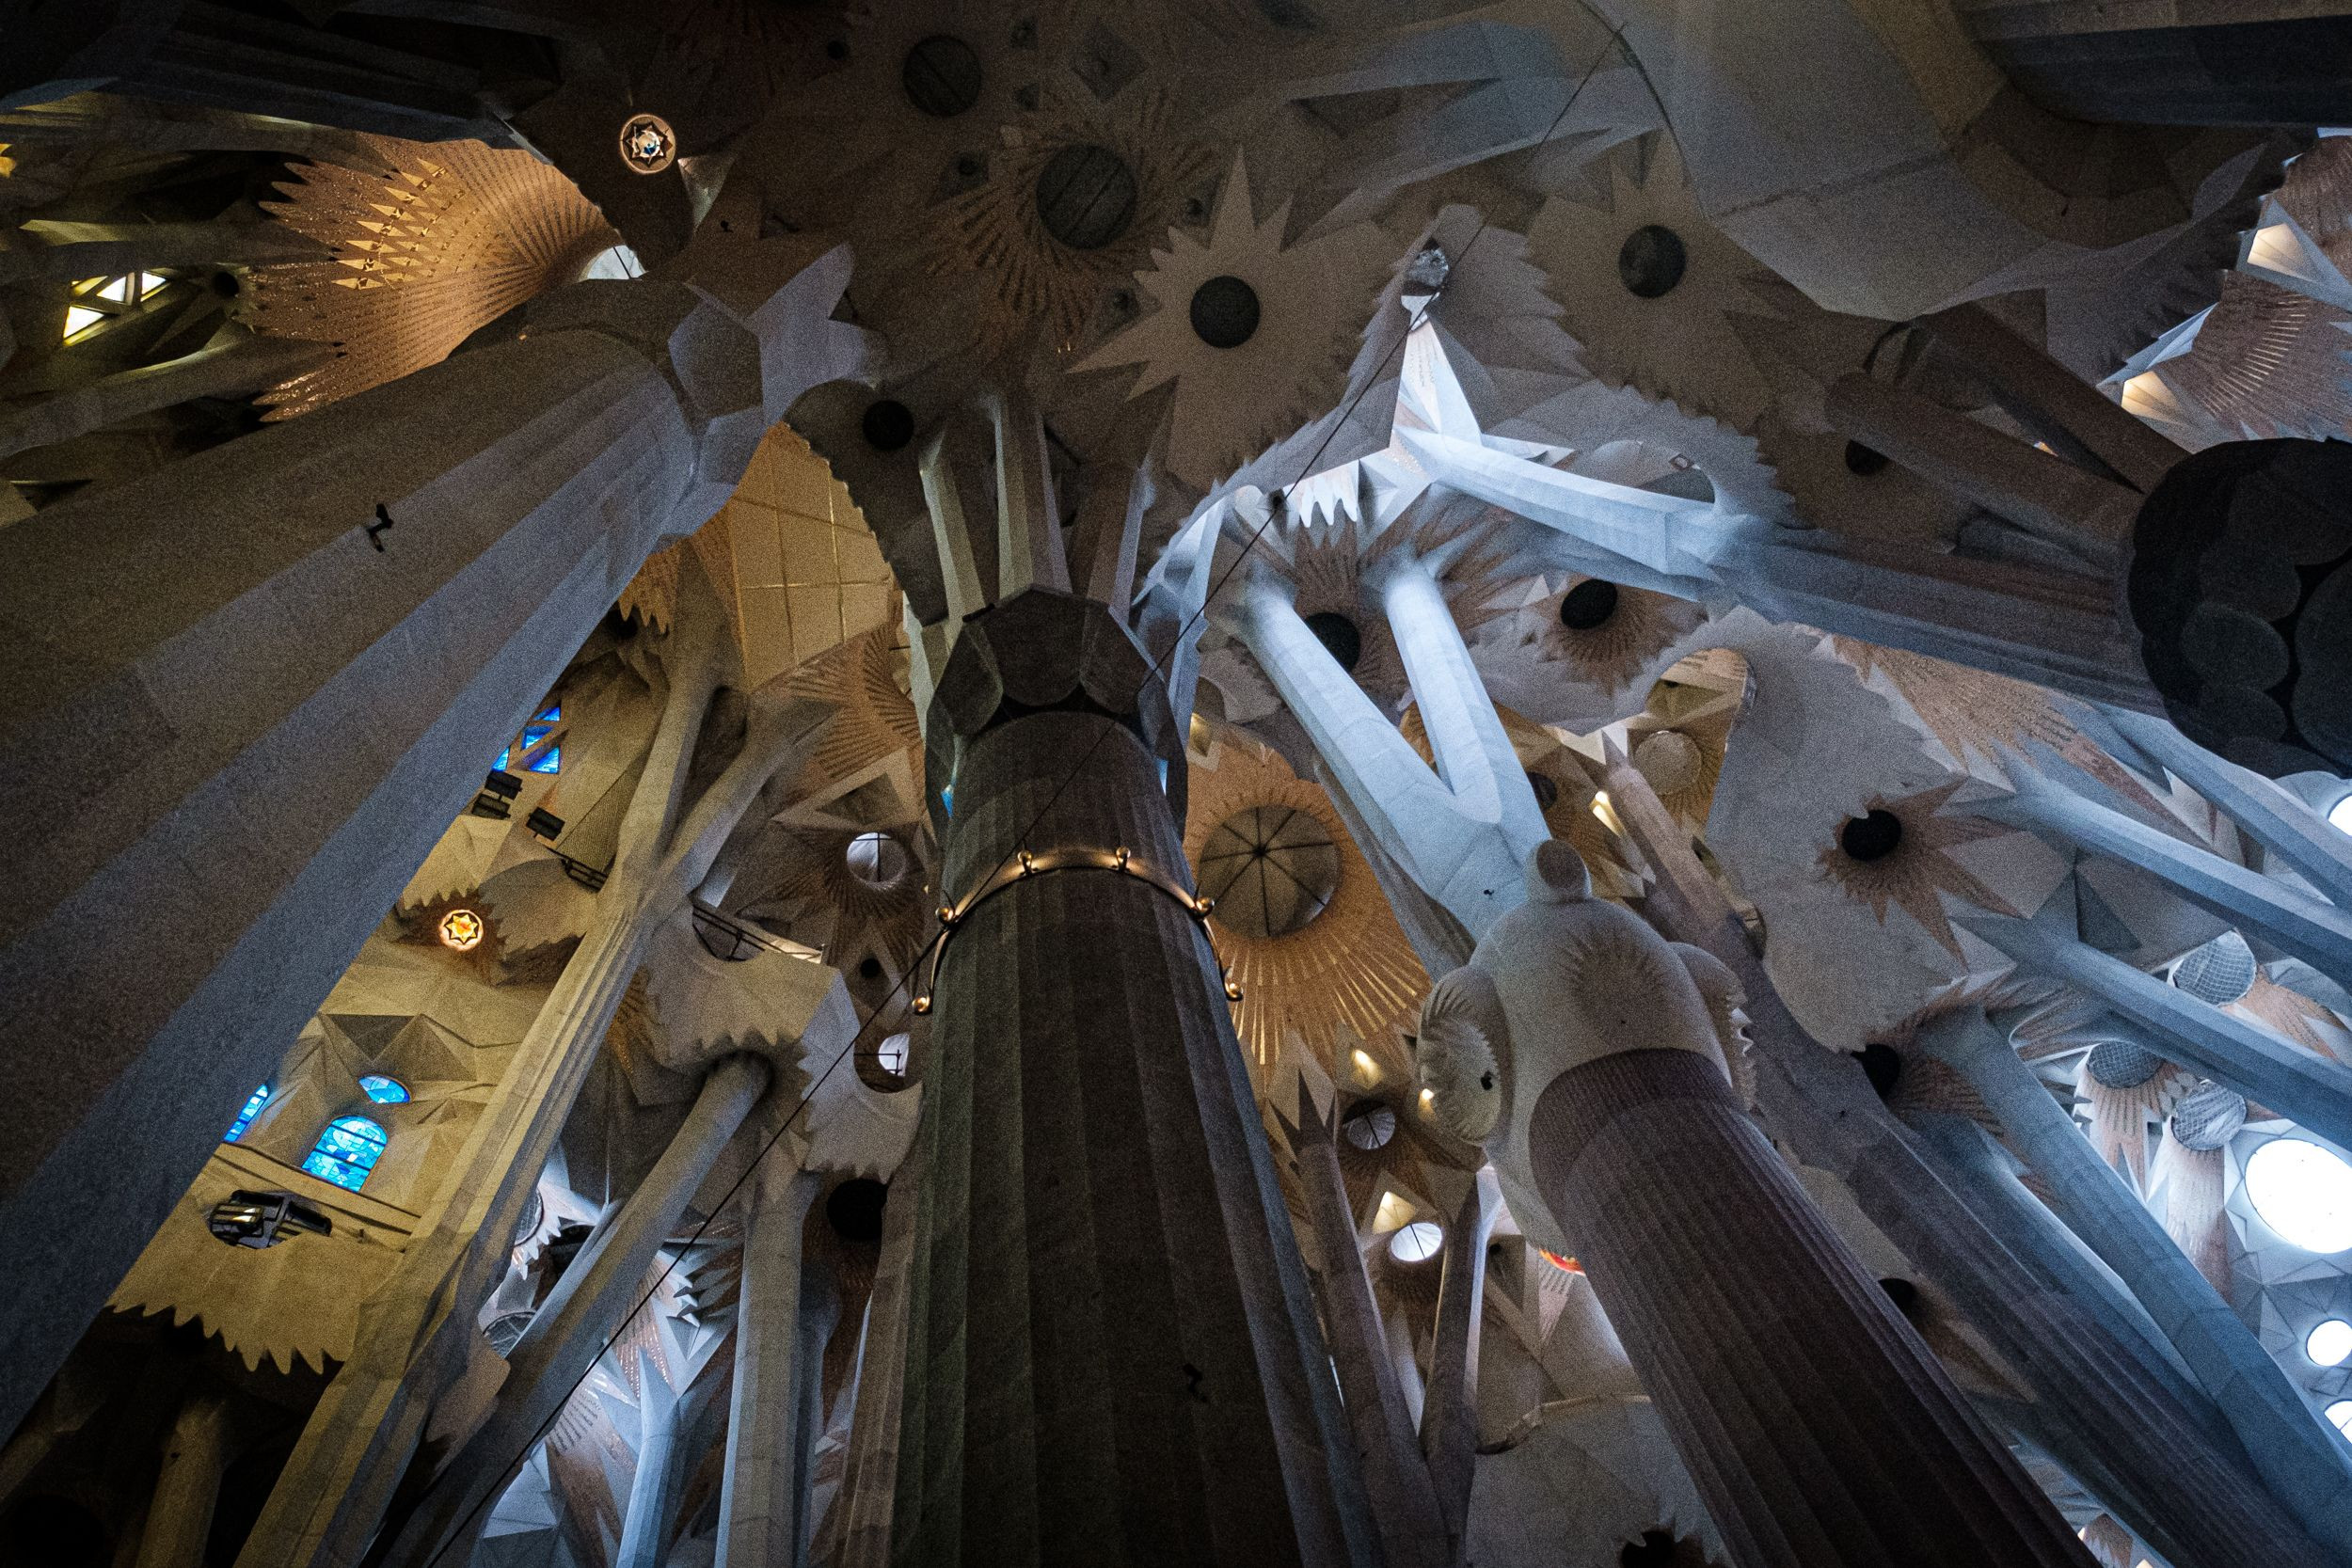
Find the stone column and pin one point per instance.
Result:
(234, 363)
(653, 1489)
(256, 755)
(1114, 1358)
(2299, 1456)
(2108, 1417)
(820, 1314)
(63, 252)
(759, 1508)
(872, 1477)
(574, 1325)
(180, 1515)
(1817, 1427)
(1412, 1528)
(1449, 1422)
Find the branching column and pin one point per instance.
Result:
(2115, 1422)
(758, 1506)
(1113, 1358)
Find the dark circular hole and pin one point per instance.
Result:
(1224, 312)
(888, 424)
(836, 49)
(869, 969)
(1651, 261)
(1086, 196)
(1903, 1294)
(1872, 837)
(53, 1533)
(1547, 790)
(967, 166)
(1588, 605)
(226, 285)
(1339, 636)
(854, 1209)
(942, 76)
(1862, 461)
(1883, 1064)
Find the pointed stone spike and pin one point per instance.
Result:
(1028, 528)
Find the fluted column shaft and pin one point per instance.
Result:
(873, 1468)
(759, 1507)
(180, 1515)
(2114, 1421)
(1449, 1423)
(1403, 1503)
(1817, 1428)
(2301, 1458)
(1114, 1358)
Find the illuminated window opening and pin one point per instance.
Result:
(2340, 1416)
(97, 300)
(1417, 1242)
(383, 1091)
(2330, 1343)
(539, 748)
(2302, 1191)
(253, 1103)
(346, 1152)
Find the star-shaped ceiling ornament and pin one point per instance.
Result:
(1917, 868)
(1255, 334)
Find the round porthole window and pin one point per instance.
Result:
(2303, 1193)
(1417, 1242)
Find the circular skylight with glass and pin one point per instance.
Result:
(1270, 870)
(1417, 1242)
(877, 860)
(2340, 1416)
(2330, 1343)
(2303, 1193)
(2340, 815)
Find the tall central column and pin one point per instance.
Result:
(1112, 1358)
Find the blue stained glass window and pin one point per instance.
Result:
(346, 1151)
(551, 763)
(253, 1103)
(383, 1091)
(505, 754)
(552, 714)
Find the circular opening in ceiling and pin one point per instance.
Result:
(2303, 1193)
(2219, 973)
(854, 1209)
(1086, 196)
(1872, 837)
(888, 424)
(1547, 790)
(2340, 815)
(1369, 1126)
(2340, 1416)
(1652, 261)
(1224, 312)
(1670, 760)
(1269, 870)
(648, 145)
(877, 860)
(942, 76)
(2330, 1343)
(1902, 1292)
(1339, 636)
(1588, 606)
(869, 968)
(1417, 1242)
(890, 1054)
(462, 930)
(1862, 462)
(613, 263)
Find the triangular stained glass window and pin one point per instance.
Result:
(551, 763)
